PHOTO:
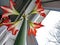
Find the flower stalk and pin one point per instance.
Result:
(22, 35)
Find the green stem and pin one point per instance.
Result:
(22, 35)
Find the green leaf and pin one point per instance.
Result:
(22, 35)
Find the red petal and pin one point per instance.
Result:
(34, 32)
(43, 14)
(5, 11)
(29, 32)
(39, 5)
(40, 8)
(8, 25)
(10, 29)
(14, 32)
(6, 21)
(12, 3)
(38, 25)
(38, 1)
(6, 15)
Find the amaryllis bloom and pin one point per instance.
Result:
(13, 27)
(9, 10)
(33, 26)
(14, 30)
(40, 9)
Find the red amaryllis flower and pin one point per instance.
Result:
(33, 26)
(40, 9)
(9, 10)
(12, 27)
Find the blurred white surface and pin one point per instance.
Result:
(47, 34)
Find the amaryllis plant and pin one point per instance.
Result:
(24, 31)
